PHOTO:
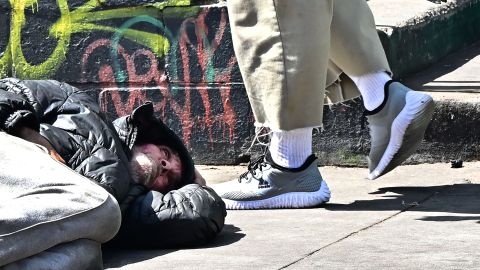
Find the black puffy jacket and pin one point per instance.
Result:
(73, 123)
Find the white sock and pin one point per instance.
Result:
(291, 148)
(371, 87)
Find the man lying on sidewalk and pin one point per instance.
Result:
(66, 193)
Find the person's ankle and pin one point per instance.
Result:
(290, 149)
(289, 162)
(372, 88)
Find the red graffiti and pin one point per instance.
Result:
(205, 54)
(156, 79)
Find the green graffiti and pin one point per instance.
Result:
(20, 65)
(120, 76)
(5, 62)
(84, 19)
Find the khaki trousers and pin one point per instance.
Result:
(295, 55)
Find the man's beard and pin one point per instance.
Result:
(144, 169)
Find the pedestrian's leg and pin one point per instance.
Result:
(44, 203)
(282, 49)
(280, 69)
(397, 116)
(357, 51)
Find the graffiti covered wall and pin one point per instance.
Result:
(174, 53)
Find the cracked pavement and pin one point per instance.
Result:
(416, 217)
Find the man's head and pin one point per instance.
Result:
(157, 167)
(158, 157)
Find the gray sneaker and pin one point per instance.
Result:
(397, 127)
(268, 185)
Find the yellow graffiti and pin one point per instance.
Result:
(83, 19)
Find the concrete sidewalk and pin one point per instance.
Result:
(416, 217)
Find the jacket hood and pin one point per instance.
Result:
(142, 127)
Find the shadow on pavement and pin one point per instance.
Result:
(447, 65)
(450, 218)
(455, 199)
(229, 235)
(120, 257)
(113, 257)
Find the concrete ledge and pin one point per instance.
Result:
(453, 133)
(416, 34)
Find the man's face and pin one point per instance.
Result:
(157, 167)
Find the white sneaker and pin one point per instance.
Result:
(397, 127)
(268, 185)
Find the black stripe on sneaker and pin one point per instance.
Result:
(379, 108)
(305, 165)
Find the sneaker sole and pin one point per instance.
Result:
(287, 200)
(407, 132)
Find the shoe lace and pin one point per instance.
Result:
(262, 139)
(257, 164)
